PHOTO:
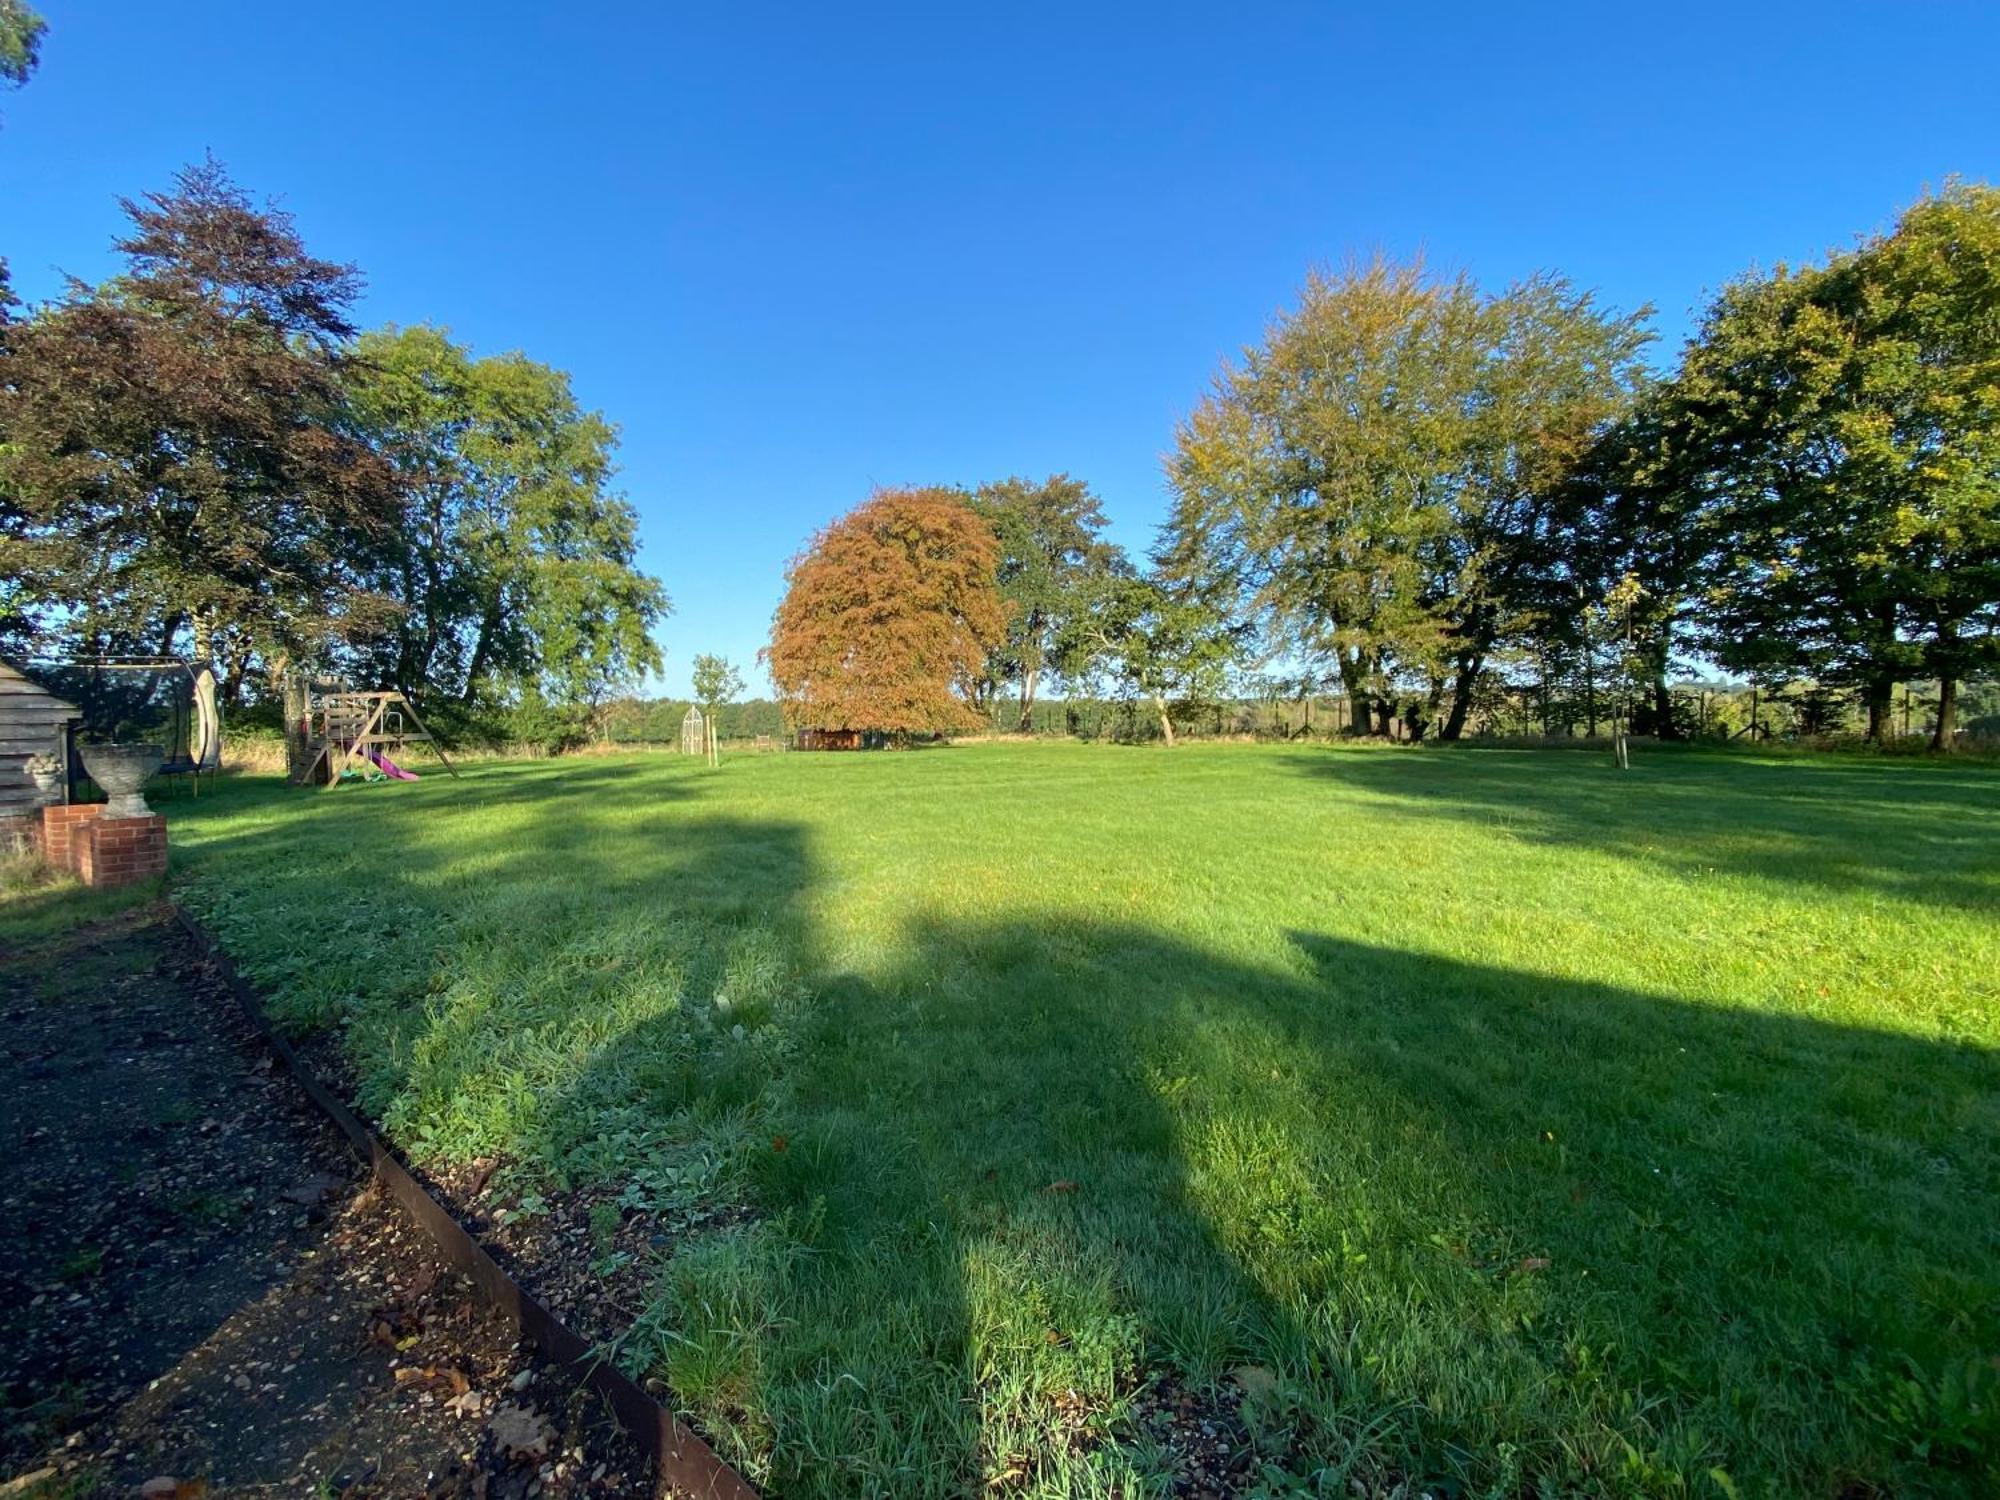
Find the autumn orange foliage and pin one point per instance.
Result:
(888, 617)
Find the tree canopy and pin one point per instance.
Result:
(201, 457)
(1837, 430)
(21, 31)
(1157, 639)
(514, 568)
(175, 461)
(1374, 479)
(716, 682)
(889, 616)
(1052, 555)
(1460, 505)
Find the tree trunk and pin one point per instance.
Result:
(433, 595)
(1166, 721)
(1878, 693)
(235, 674)
(1422, 713)
(296, 740)
(1663, 711)
(1363, 711)
(1028, 679)
(1944, 734)
(170, 628)
(1470, 665)
(406, 651)
(487, 625)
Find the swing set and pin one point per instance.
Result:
(356, 737)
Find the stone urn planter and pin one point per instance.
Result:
(46, 773)
(121, 770)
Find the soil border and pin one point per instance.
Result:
(680, 1458)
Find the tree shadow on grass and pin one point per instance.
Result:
(1483, 1228)
(1918, 832)
(1486, 1228)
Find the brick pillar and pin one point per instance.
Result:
(119, 851)
(60, 844)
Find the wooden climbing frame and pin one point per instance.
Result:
(356, 732)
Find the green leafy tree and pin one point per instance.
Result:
(1614, 505)
(1840, 430)
(1377, 476)
(1561, 377)
(1315, 476)
(21, 31)
(716, 683)
(515, 563)
(1159, 640)
(177, 472)
(1052, 551)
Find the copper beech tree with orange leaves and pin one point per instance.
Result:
(888, 617)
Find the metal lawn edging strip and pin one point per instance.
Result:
(679, 1457)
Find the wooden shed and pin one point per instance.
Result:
(833, 739)
(33, 721)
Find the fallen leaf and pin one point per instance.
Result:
(1255, 1381)
(1063, 1186)
(1531, 1263)
(520, 1430)
(777, 1143)
(315, 1189)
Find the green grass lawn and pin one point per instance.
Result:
(1494, 1120)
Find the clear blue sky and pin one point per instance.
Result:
(799, 251)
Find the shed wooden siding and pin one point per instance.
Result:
(31, 723)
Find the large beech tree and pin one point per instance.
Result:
(1317, 475)
(515, 563)
(889, 616)
(1376, 478)
(173, 452)
(1836, 429)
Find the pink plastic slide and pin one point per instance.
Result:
(389, 767)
